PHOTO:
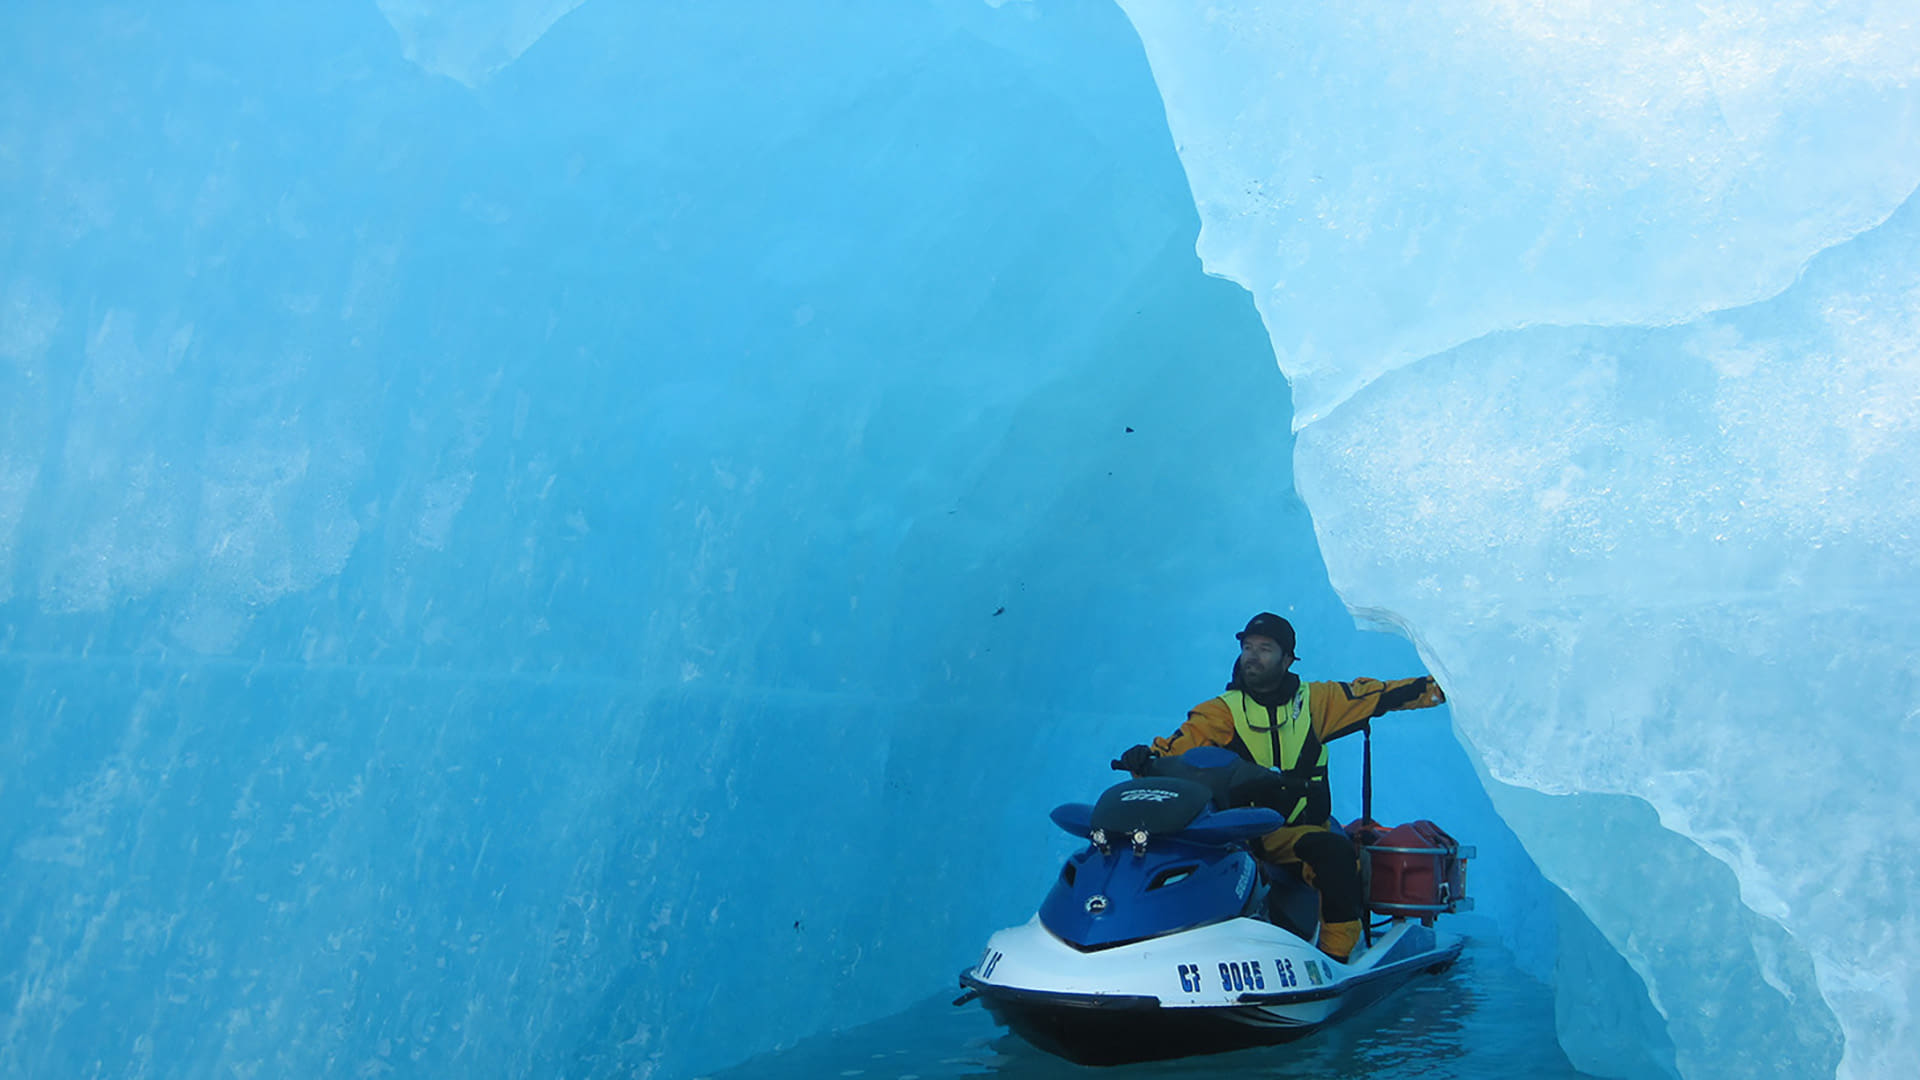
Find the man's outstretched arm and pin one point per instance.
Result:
(1341, 707)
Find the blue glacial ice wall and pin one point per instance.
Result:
(548, 539)
(1610, 312)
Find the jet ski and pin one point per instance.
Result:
(1165, 936)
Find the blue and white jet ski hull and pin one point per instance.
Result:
(1241, 982)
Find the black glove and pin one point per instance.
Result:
(1135, 759)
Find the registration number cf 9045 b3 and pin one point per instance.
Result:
(1239, 976)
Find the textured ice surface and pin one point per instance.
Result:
(494, 564)
(470, 41)
(1674, 561)
(1390, 180)
(602, 573)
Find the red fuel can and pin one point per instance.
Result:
(1415, 869)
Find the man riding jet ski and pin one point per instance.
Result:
(1167, 936)
(1269, 717)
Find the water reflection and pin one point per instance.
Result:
(1480, 1019)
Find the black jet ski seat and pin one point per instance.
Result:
(1233, 781)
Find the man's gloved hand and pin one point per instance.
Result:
(1135, 759)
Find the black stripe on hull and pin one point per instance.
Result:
(1121, 1036)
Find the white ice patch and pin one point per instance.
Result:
(469, 42)
(120, 501)
(226, 500)
(1708, 612)
(29, 317)
(440, 503)
(440, 499)
(1392, 180)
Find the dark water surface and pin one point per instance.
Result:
(1482, 1018)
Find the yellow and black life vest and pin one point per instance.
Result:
(1283, 739)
